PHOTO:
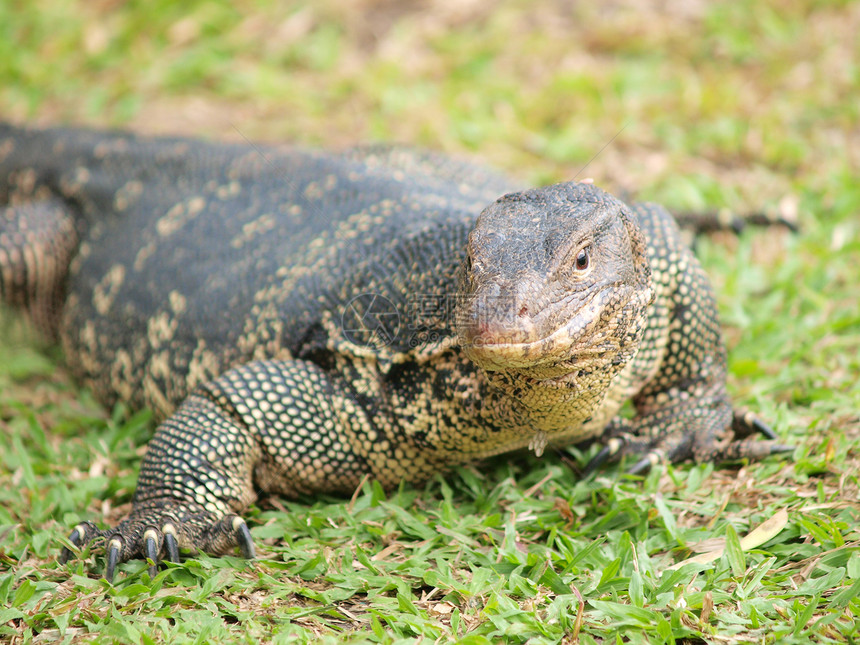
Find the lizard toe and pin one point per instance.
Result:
(647, 462)
(746, 449)
(229, 532)
(81, 535)
(610, 450)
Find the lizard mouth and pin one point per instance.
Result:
(573, 347)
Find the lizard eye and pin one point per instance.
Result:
(583, 259)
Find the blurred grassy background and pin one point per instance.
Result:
(719, 102)
(746, 105)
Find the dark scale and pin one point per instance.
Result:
(262, 301)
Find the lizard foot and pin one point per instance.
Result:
(671, 450)
(148, 534)
(680, 445)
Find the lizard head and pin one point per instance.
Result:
(554, 287)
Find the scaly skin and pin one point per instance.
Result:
(300, 320)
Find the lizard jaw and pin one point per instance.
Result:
(558, 357)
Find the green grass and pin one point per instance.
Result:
(746, 105)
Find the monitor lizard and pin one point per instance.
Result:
(299, 320)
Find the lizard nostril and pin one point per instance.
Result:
(523, 310)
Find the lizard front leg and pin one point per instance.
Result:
(268, 427)
(683, 410)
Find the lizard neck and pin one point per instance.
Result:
(553, 406)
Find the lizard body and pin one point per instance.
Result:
(299, 320)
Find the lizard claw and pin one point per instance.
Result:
(745, 423)
(170, 543)
(764, 429)
(596, 461)
(150, 550)
(114, 550)
(81, 535)
(645, 464)
(244, 539)
(612, 447)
